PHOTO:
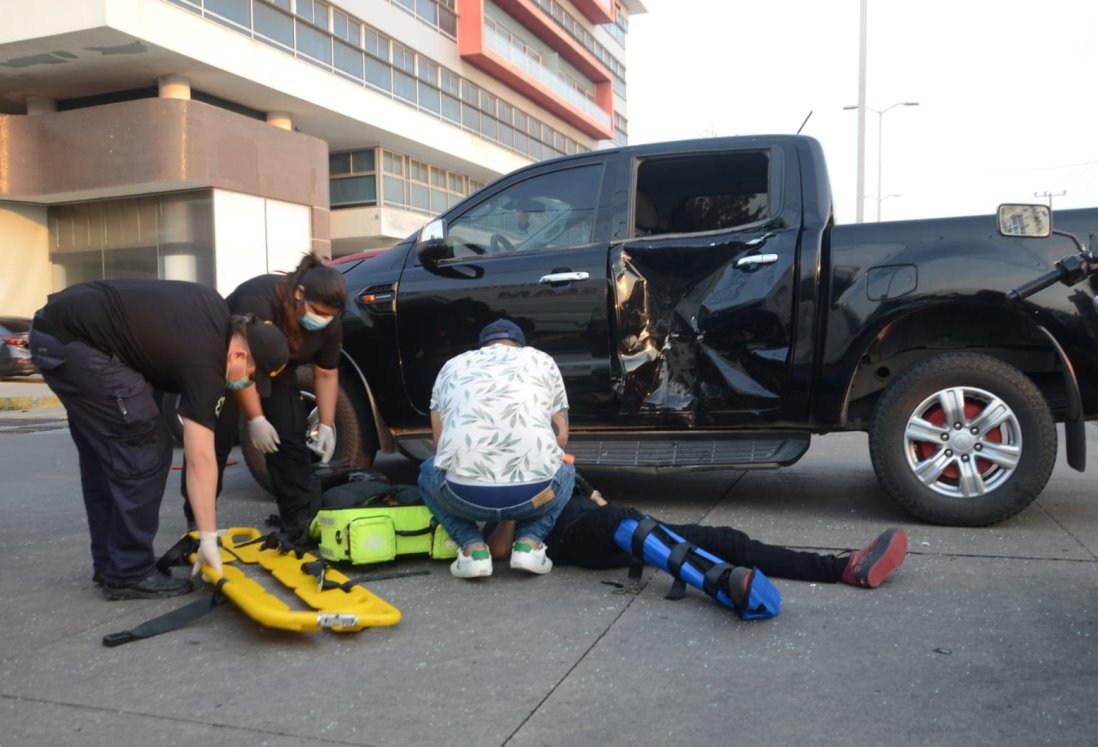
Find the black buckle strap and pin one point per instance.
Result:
(169, 621)
(644, 528)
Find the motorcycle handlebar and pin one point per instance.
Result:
(1037, 284)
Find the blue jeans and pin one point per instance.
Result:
(459, 517)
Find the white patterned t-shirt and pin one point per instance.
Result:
(496, 405)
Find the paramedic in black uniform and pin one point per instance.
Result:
(102, 346)
(305, 305)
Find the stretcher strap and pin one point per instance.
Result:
(169, 621)
(644, 528)
(674, 566)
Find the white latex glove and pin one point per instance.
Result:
(324, 445)
(207, 554)
(263, 435)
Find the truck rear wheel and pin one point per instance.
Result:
(356, 439)
(963, 439)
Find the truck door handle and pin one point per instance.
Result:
(565, 277)
(754, 260)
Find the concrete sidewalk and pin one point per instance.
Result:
(985, 637)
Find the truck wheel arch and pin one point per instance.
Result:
(904, 341)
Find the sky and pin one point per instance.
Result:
(1007, 93)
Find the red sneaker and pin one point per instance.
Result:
(871, 565)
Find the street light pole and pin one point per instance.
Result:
(880, 139)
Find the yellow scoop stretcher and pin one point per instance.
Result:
(335, 606)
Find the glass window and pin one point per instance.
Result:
(470, 93)
(549, 211)
(346, 28)
(354, 190)
(314, 12)
(316, 44)
(451, 109)
(271, 25)
(394, 191)
(428, 11)
(379, 74)
(404, 86)
(349, 60)
(447, 22)
(239, 11)
(488, 126)
(450, 83)
(339, 163)
(403, 58)
(428, 71)
(377, 44)
(393, 163)
(420, 197)
(710, 192)
(169, 236)
(429, 98)
(363, 160)
(417, 170)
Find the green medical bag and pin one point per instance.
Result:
(379, 534)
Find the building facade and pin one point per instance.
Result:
(214, 140)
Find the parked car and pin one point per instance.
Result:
(14, 348)
(706, 312)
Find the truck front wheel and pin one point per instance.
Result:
(356, 439)
(963, 439)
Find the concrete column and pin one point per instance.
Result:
(40, 105)
(281, 120)
(174, 87)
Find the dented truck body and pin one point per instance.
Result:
(706, 312)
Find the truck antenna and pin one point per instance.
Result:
(804, 122)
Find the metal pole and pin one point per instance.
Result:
(880, 150)
(860, 207)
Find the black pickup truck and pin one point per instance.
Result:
(706, 312)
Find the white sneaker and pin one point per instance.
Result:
(525, 558)
(475, 565)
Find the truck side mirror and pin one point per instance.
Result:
(431, 245)
(1030, 221)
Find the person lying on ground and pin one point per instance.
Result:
(584, 535)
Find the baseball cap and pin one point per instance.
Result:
(502, 329)
(269, 351)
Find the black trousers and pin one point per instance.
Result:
(586, 538)
(289, 469)
(125, 451)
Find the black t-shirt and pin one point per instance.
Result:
(320, 347)
(174, 333)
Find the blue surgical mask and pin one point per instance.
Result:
(235, 385)
(238, 384)
(313, 322)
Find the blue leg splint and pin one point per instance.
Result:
(747, 592)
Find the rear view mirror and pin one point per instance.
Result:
(1030, 221)
(431, 244)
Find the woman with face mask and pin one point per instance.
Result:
(305, 305)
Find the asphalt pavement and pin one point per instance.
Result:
(984, 637)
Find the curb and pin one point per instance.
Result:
(10, 404)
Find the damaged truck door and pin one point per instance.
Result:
(705, 292)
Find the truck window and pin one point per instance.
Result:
(549, 211)
(704, 192)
